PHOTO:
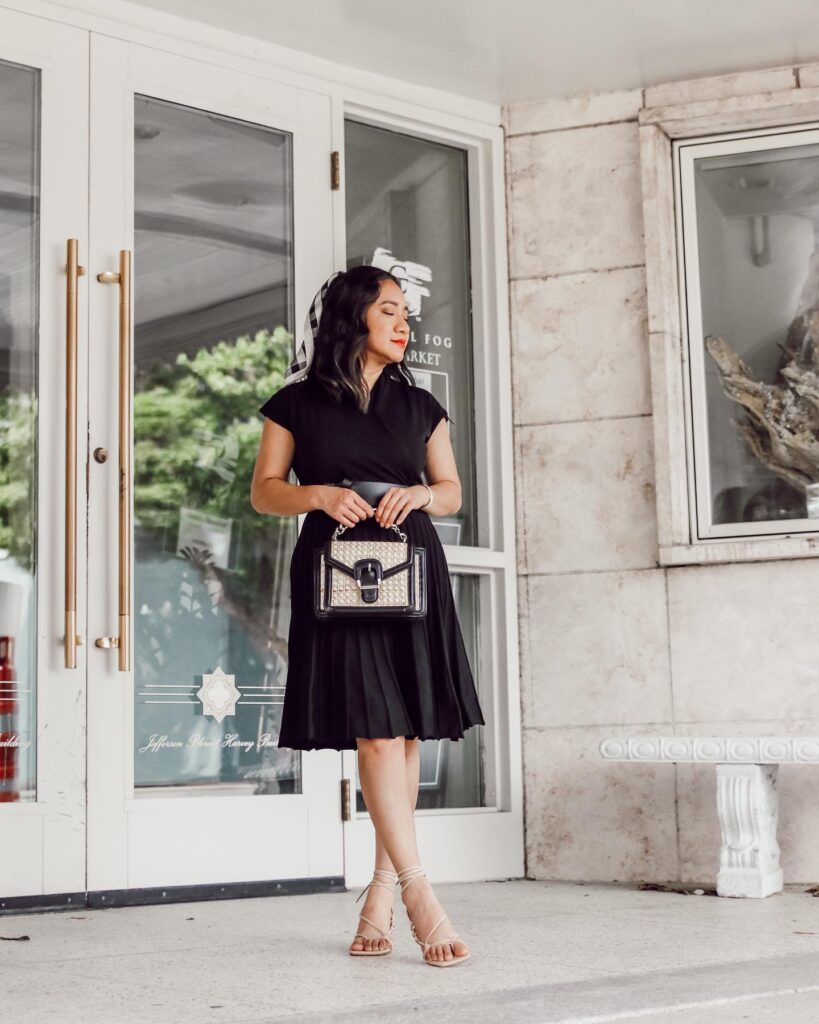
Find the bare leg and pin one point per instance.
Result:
(378, 900)
(382, 769)
(412, 763)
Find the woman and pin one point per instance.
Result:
(350, 412)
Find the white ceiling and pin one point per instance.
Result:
(507, 51)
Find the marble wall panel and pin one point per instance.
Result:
(574, 201)
(573, 111)
(580, 347)
(520, 511)
(598, 649)
(588, 496)
(524, 622)
(592, 820)
(715, 87)
(595, 615)
(744, 641)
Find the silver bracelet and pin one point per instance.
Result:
(431, 496)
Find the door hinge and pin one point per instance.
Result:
(335, 173)
(345, 800)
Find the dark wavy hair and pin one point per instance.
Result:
(341, 341)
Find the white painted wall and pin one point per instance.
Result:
(610, 642)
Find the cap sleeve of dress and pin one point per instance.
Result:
(279, 407)
(435, 413)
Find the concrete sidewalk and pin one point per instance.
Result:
(543, 953)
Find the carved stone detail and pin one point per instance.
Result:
(747, 801)
(747, 805)
(713, 749)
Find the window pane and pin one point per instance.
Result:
(757, 215)
(453, 772)
(213, 335)
(19, 334)
(407, 211)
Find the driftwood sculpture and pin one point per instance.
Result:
(782, 420)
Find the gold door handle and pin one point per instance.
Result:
(123, 640)
(73, 272)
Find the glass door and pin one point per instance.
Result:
(198, 176)
(43, 189)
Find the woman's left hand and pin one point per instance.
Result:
(396, 504)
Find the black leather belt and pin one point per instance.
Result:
(370, 490)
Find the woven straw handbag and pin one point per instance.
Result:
(356, 579)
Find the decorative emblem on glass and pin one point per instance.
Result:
(218, 694)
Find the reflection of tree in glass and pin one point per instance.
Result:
(18, 424)
(196, 435)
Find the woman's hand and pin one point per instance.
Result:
(344, 505)
(395, 505)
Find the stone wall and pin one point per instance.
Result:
(611, 643)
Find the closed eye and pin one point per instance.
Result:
(391, 312)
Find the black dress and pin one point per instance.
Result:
(376, 678)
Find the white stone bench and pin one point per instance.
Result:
(747, 802)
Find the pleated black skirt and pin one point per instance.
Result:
(377, 678)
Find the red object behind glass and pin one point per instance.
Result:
(8, 733)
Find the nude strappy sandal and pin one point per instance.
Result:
(393, 880)
(406, 878)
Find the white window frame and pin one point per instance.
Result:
(669, 137)
(701, 496)
(493, 559)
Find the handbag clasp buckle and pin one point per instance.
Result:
(367, 573)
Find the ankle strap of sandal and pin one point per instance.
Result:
(408, 875)
(377, 881)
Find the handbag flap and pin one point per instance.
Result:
(343, 554)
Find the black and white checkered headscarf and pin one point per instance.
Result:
(304, 356)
